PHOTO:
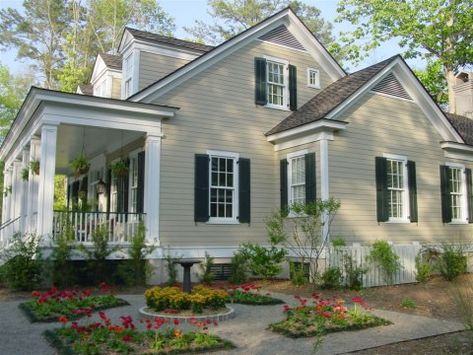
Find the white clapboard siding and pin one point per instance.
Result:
(375, 277)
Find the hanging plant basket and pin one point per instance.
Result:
(34, 167)
(25, 173)
(80, 165)
(120, 168)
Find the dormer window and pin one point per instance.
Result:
(101, 89)
(128, 76)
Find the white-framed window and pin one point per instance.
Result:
(101, 88)
(128, 75)
(458, 193)
(313, 78)
(223, 183)
(277, 79)
(114, 194)
(133, 182)
(296, 177)
(398, 188)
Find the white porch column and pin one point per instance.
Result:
(16, 191)
(33, 182)
(24, 191)
(6, 197)
(46, 181)
(152, 187)
(324, 181)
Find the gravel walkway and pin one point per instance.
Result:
(247, 331)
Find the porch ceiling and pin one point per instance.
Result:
(96, 141)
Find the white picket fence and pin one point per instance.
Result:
(375, 277)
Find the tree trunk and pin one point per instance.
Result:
(450, 76)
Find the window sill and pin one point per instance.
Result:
(313, 87)
(275, 107)
(222, 221)
(458, 222)
(398, 221)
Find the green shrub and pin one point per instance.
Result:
(207, 276)
(63, 273)
(137, 270)
(408, 303)
(382, 254)
(263, 262)
(97, 256)
(239, 269)
(452, 261)
(24, 267)
(171, 269)
(299, 273)
(338, 243)
(332, 278)
(423, 269)
(353, 272)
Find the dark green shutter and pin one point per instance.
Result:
(412, 181)
(75, 193)
(381, 189)
(469, 191)
(310, 186)
(201, 188)
(260, 81)
(292, 87)
(244, 190)
(283, 189)
(445, 194)
(140, 191)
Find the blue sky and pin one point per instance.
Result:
(185, 12)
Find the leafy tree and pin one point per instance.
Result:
(13, 89)
(431, 29)
(233, 16)
(36, 33)
(434, 81)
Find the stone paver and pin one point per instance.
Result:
(248, 331)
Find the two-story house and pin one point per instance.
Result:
(215, 138)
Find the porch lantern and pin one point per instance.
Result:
(101, 187)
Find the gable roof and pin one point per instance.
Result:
(330, 98)
(112, 61)
(156, 38)
(463, 125)
(285, 16)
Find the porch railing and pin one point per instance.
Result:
(121, 227)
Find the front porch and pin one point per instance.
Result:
(51, 130)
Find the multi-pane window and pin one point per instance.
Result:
(222, 187)
(296, 180)
(313, 78)
(114, 194)
(276, 83)
(456, 192)
(133, 182)
(128, 75)
(396, 188)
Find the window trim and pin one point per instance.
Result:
(464, 198)
(317, 83)
(285, 63)
(133, 155)
(235, 207)
(113, 209)
(289, 158)
(405, 195)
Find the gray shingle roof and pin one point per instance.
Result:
(112, 61)
(153, 37)
(463, 125)
(87, 89)
(330, 98)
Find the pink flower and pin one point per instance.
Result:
(127, 338)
